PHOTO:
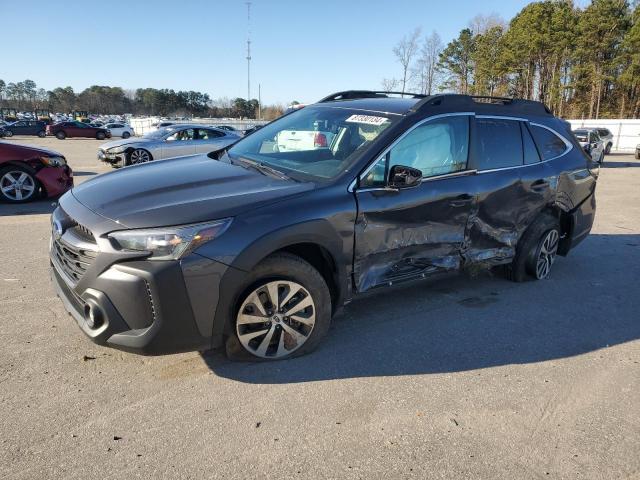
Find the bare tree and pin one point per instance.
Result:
(405, 51)
(481, 23)
(426, 71)
(389, 84)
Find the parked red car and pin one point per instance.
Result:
(27, 173)
(63, 130)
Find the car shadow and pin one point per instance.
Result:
(608, 163)
(459, 324)
(80, 173)
(38, 207)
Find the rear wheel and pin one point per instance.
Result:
(139, 155)
(285, 311)
(8, 133)
(61, 135)
(100, 135)
(17, 185)
(536, 251)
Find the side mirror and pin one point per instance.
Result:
(404, 177)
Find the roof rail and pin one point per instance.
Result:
(355, 94)
(514, 105)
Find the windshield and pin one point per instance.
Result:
(320, 142)
(582, 136)
(161, 132)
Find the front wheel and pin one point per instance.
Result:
(137, 156)
(100, 135)
(637, 154)
(126, 135)
(8, 133)
(17, 185)
(61, 135)
(42, 134)
(284, 312)
(607, 149)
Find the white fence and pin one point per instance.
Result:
(144, 125)
(626, 133)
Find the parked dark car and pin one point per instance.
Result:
(24, 127)
(266, 245)
(27, 173)
(63, 130)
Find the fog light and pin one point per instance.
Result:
(93, 315)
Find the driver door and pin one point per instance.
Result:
(413, 232)
(179, 144)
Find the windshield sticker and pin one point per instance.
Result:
(367, 119)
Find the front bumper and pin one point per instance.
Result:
(133, 304)
(112, 158)
(55, 180)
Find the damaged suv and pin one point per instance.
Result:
(255, 248)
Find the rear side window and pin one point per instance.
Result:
(530, 151)
(549, 144)
(499, 143)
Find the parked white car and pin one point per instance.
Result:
(607, 138)
(119, 130)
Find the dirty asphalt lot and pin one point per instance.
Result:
(468, 378)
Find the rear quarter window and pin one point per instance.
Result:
(549, 144)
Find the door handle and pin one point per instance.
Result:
(539, 185)
(461, 200)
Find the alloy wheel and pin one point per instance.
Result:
(547, 254)
(17, 185)
(139, 156)
(276, 319)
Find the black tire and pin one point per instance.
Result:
(33, 180)
(61, 135)
(42, 134)
(607, 149)
(100, 136)
(126, 135)
(286, 267)
(637, 155)
(523, 266)
(8, 133)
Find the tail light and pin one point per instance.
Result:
(320, 140)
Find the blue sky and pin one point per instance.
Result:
(301, 50)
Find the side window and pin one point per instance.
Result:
(206, 134)
(437, 147)
(499, 143)
(530, 151)
(549, 144)
(181, 135)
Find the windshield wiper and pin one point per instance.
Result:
(262, 168)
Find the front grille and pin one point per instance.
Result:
(73, 261)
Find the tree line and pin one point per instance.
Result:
(26, 96)
(582, 63)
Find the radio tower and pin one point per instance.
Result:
(248, 51)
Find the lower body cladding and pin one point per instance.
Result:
(55, 180)
(147, 307)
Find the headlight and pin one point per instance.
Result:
(53, 161)
(117, 149)
(169, 243)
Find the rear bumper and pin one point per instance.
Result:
(582, 221)
(55, 180)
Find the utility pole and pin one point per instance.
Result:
(248, 51)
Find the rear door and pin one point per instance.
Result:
(179, 144)
(20, 128)
(503, 210)
(418, 231)
(209, 140)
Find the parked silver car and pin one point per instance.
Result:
(607, 138)
(591, 142)
(168, 142)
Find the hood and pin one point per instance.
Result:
(181, 191)
(120, 143)
(27, 149)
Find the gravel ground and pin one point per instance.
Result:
(460, 378)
